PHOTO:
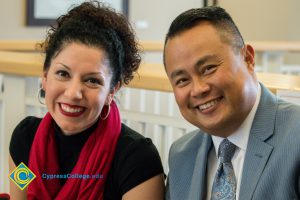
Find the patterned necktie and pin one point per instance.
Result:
(224, 186)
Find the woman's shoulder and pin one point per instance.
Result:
(131, 139)
(22, 138)
(133, 144)
(136, 160)
(26, 128)
(28, 123)
(130, 134)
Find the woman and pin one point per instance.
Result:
(89, 55)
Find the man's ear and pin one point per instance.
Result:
(112, 93)
(249, 55)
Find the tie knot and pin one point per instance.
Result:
(226, 151)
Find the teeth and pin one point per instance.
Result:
(70, 110)
(208, 105)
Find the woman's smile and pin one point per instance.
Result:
(71, 110)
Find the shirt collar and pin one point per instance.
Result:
(241, 135)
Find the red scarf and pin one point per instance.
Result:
(95, 158)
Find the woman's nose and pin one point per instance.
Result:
(74, 90)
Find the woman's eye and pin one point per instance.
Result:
(62, 74)
(94, 81)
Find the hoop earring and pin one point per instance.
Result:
(108, 111)
(39, 96)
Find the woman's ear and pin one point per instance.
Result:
(111, 94)
(44, 80)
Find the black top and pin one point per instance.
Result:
(136, 158)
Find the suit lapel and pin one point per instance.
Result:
(199, 178)
(258, 151)
(256, 159)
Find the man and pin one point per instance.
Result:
(248, 142)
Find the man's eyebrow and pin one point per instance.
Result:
(198, 63)
(204, 59)
(176, 73)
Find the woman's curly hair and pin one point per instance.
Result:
(96, 25)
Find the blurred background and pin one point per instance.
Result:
(147, 105)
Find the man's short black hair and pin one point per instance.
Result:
(217, 16)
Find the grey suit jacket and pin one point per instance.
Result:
(272, 161)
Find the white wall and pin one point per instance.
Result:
(12, 22)
(258, 20)
(267, 19)
(158, 15)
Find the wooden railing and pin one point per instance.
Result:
(22, 58)
(260, 46)
(32, 45)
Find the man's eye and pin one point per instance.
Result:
(209, 69)
(181, 82)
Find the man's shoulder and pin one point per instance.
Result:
(285, 106)
(188, 138)
(189, 142)
(288, 113)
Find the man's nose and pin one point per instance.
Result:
(199, 87)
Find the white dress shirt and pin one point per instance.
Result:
(240, 139)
